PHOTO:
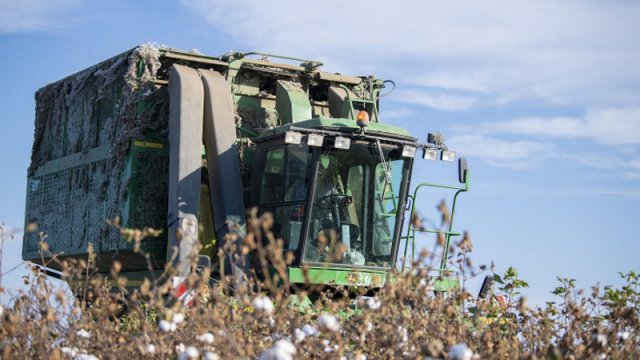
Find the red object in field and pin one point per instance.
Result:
(181, 291)
(502, 300)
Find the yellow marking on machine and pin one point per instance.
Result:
(147, 144)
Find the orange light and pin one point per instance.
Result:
(362, 119)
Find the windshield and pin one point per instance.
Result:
(355, 205)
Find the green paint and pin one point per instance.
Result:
(359, 277)
(446, 285)
(323, 275)
(292, 102)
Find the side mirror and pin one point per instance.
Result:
(462, 170)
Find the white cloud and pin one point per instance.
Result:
(479, 82)
(616, 126)
(624, 167)
(553, 127)
(568, 52)
(33, 15)
(610, 126)
(442, 102)
(512, 154)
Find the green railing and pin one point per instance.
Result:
(412, 230)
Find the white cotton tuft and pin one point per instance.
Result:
(71, 351)
(167, 326)
(328, 322)
(83, 333)
(623, 335)
(177, 318)
(263, 304)
(192, 352)
(373, 303)
(283, 349)
(460, 352)
(404, 335)
(310, 330)
(298, 335)
(86, 357)
(211, 356)
(206, 338)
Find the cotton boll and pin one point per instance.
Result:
(211, 356)
(285, 346)
(328, 322)
(71, 351)
(623, 335)
(298, 335)
(86, 357)
(167, 326)
(373, 303)
(310, 330)
(206, 338)
(460, 352)
(177, 318)
(283, 349)
(404, 335)
(192, 352)
(83, 333)
(263, 304)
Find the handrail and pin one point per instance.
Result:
(411, 230)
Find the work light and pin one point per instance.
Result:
(430, 154)
(408, 151)
(447, 155)
(315, 140)
(292, 137)
(342, 142)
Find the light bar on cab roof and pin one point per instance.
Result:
(342, 143)
(315, 140)
(408, 151)
(430, 154)
(292, 137)
(447, 155)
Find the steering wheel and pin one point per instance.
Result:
(329, 201)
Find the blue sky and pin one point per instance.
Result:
(543, 98)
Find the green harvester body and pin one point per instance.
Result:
(105, 148)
